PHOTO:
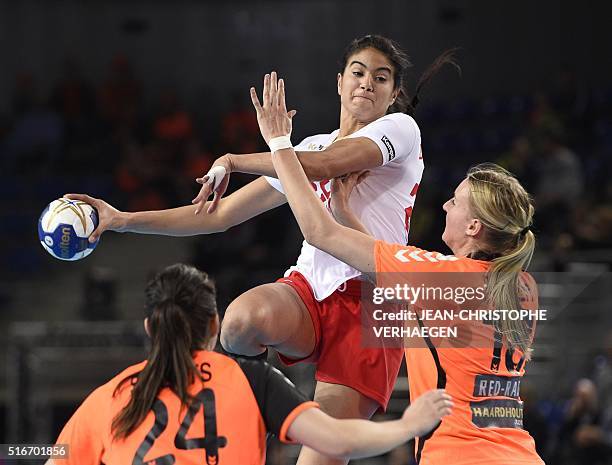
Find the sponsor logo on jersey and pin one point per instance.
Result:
(315, 147)
(497, 413)
(406, 256)
(390, 148)
(497, 386)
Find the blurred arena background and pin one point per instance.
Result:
(131, 100)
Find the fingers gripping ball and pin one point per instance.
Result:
(64, 226)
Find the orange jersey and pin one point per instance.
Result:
(485, 426)
(235, 405)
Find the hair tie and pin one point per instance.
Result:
(525, 230)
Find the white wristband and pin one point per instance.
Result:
(215, 176)
(279, 143)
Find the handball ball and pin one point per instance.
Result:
(64, 226)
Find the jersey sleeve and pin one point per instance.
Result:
(446, 280)
(274, 182)
(396, 258)
(84, 432)
(279, 401)
(397, 136)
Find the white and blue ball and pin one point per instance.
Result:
(64, 226)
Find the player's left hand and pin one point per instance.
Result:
(426, 411)
(216, 180)
(273, 118)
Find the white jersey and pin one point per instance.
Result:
(383, 201)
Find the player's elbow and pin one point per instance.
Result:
(317, 233)
(213, 229)
(324, 434)
(334, 442)
(221, 220)
(312, 235)
(222, 227)
(338, 451)
(342, 447)
(343, 452)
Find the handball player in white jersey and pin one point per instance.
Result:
(312, 314)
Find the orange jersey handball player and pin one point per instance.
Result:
(483, 376)
(189, 405)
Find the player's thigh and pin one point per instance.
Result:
(337, 401)
(273, 315)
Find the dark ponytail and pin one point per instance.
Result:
(401, 64)
(180, 302)
(445, 58)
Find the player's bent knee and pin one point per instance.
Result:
(243, 328)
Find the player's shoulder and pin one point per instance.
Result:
(117, 380)
(129, 371)
(398, 134)
(224, 365)
(404, 253)
(103, 394)
(403, 120)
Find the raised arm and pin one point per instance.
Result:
(319, 229)
(361, 438)
(247, 202)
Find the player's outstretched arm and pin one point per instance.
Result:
(361, 438)
(247, 202)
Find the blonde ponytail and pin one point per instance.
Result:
(502, 287)
(505, 210)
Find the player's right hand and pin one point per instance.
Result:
(426, 411)
(109, 218)
(210, 184)
(341, 189)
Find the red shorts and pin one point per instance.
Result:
(338, 352)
